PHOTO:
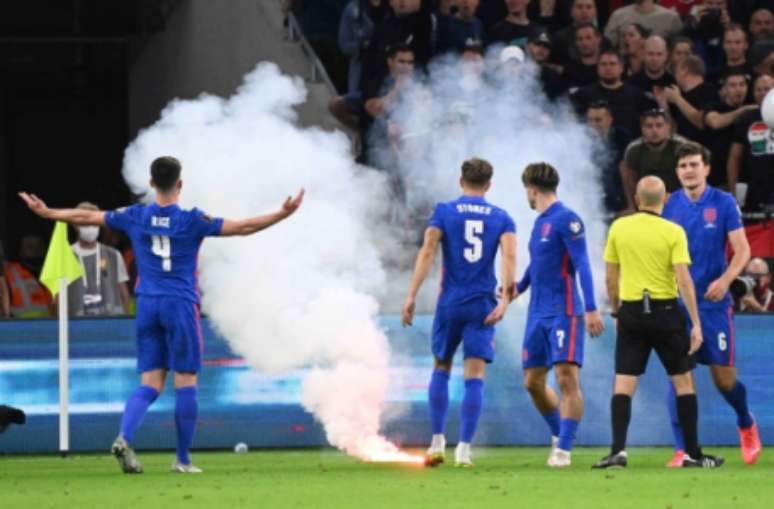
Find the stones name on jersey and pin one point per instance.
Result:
(474, 208)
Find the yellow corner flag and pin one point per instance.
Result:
(60, 262)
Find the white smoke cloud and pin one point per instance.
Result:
(307, 291)
(298, 294)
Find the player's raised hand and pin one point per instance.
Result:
(696, 340)
(716, 291)
(594, 323)
(292, 204)
(407, 315)
(35, 204)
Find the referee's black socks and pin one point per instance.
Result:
(688, 415)
(621, 413)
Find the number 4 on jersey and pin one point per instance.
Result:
(473, 231)
(162, 247)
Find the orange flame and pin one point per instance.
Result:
(378, 450)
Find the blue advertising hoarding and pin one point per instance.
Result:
(239, 404)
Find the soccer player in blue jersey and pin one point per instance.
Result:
(712, 221)
(554, 332)
(470, 230)
(166, 241)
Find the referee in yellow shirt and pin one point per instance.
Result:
(647, 261)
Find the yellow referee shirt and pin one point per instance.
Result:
(646, 247)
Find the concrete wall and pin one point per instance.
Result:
(208, 46)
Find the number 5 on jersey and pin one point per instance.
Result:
(473, 231)
(162, 247)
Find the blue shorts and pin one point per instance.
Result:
(169, 334)
(717, 327)
(551, 340)
(464, 323)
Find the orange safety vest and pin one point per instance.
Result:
(29, 299)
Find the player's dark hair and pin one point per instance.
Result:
(165, 172)
(691, 148)
(734, 72)
(599, 104)
(477, 172)
(542, 176)
(694, 65)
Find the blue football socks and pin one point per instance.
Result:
(186, 411)
(471, 408)
(737, 398)
(553, 419)
(438, 397)
(135, 410)
(677, 431)
(567, 430)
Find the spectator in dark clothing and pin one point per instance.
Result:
(655, 153)
(654, 77)
(689, 98)
(410, 22)
(581, 11)
(539, 49)
(719, 121)
(735, 48)
(626, 101)
(515, 28)
(588, 45)
(633, 47)
(382, 100)
(460, 30)
(705, 27)
(751, 158)
(607, 155)
(680, 48)
(355, 31)
(762, 24)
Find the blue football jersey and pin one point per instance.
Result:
(557, 250)
(471, 229)
(707, 223)
(166, 242)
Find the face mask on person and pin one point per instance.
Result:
(88, 233)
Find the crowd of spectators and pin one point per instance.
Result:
(647, 75)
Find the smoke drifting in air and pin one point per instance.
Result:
(307, 291)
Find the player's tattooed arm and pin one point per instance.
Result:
(422, 267)
(72, 216)
(252, 225)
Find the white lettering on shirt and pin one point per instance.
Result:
(476, 209)
(161, 222)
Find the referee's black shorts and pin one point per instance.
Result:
(663, 330)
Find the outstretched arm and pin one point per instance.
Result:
(72, 216)
(252, 225)
(422, 267)
(508, 273)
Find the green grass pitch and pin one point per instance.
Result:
(503, 477)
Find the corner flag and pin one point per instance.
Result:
(61, 268)
(61, 262)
